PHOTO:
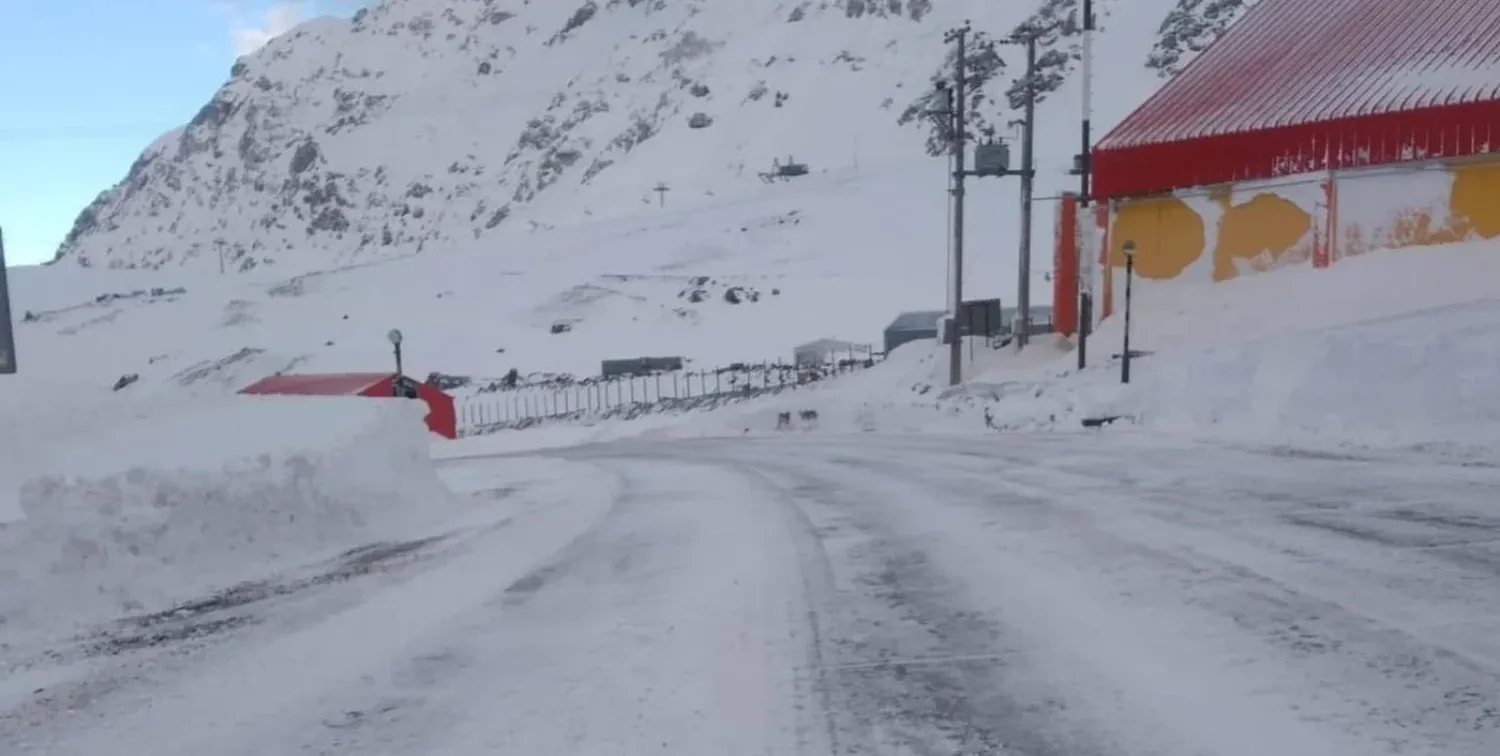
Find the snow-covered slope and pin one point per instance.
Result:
(415, 115)
(425, 124)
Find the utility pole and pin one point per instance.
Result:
(1083, 166)
(1129, 274)
(991, 160)
(661, 190)
(1022, 331)
(7, 330)
(959, 37)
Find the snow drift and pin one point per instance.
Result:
(1389, 349)
(1420, 380)
(159, 511)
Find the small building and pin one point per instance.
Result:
(442, 417)
(823, 351)
(639, 366)
(913, 326)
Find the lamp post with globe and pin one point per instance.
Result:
(394, 336)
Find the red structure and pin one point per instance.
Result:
(1297, 86)
(1065, 266)
(442, 418)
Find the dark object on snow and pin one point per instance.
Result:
(447, 382)
(1100, 422)
(512, 377)
(783, 420)
(700, 121)
(7, 334)
(639, 366)
(809, 416)
(912, 326)
(784, 171)
(561, 327)
(989, 418)
(126, 380)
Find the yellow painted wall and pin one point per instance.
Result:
(1259, 228)
(1170, 235)
(1472, 210)
(1265, 231)
(1476, 199)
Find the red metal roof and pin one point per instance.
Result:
(1305, 85)
(316, 384)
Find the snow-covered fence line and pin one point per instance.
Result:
(627, 397)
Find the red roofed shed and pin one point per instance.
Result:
(442, 418)
(1297, 86)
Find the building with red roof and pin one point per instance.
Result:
(1310, 131)
(1297, 86)
(442, 417)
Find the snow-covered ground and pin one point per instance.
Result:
(1390, 350)
(869, 594)
(1285, 545)
(158, 511)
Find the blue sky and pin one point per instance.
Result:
(88, 84)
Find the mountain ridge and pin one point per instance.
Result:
(449, 122)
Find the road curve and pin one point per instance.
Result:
(1083, 595)
(816, 595)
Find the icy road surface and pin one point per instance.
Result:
(1031, 595)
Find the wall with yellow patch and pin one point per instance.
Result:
(1221, 233)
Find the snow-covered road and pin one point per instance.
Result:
(1030, 595)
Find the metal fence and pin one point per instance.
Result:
(626, 397)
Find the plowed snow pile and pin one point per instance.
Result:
(159, 511)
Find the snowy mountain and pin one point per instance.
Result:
(424, 124)
(517, 147)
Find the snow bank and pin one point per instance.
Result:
(1388, 350)
(1396, 349)
(1423, 379)
(160, 510)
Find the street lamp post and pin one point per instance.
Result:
(1084, 169)
(394, 336)
(1129, 276)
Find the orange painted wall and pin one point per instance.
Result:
(1475, 201)
(1348, 214)
(1255, 234)
(1168, 234)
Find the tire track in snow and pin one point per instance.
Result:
(674, 624)
(914, 667)
(1398, 688)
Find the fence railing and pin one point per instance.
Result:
(625, 397)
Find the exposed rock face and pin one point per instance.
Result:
(421, 122)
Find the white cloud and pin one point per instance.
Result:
(277, 19)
